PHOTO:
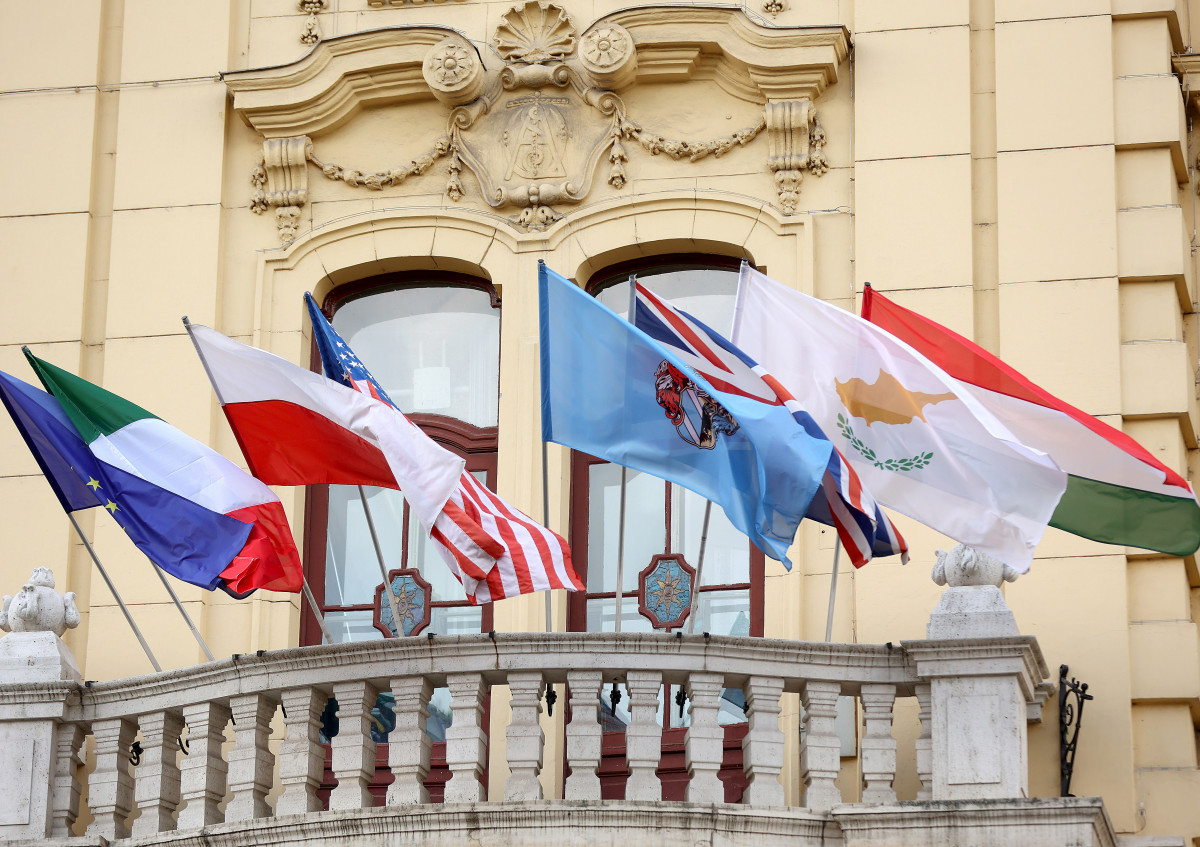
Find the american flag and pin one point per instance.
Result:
(492, 548)
(864, 530)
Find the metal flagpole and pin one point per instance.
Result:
(316, 610)
(691, 624)
(387, 585)
(186, 616)
(546, 520)
(624, 478)
(113, 589)
(837, 552)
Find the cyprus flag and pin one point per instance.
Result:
(920, 441)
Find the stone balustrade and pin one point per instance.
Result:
(246, 692)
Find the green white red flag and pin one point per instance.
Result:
(1117, 491)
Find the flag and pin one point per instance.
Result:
(192, 512)
(611, 390)
(862, 527)
(918, 437)
(1117, 492)
(528, 556)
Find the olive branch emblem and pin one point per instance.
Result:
(912, 464)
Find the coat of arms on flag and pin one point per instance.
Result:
(698, 418)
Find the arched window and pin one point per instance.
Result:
(433, 342)
(662, 518)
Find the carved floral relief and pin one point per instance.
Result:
(534, 133)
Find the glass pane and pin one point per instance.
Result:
(423, 556)
(455, 620)
(731, 709)
(351, 567)
(601, 615)
(434, 349)
(727, 554)
(351, 626)
(705, 294)
(724, 612)
(440, 716)
(645, 527)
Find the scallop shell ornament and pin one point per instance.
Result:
(535, 33)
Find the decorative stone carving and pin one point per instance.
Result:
(281, 182)
(607, 53)
(535, 33)
(973, 606)
(312, 27)
(774, 7)
(453, 71)
(795, 141)
(39, 608)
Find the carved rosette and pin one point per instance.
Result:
(453, 72)
(795, 140)
(607, 53)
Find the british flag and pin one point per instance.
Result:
(863, 528)
(494, 549)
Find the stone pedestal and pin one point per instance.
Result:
(27, 733)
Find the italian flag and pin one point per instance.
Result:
(193, 512)
(1117, 492)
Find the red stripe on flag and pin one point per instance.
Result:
(683, 329)
(465, 565)
(269, 559)
(287, 444)
(473, 530)
(967, 361)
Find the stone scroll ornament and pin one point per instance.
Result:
(534, 133)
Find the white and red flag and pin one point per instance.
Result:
(921, 441)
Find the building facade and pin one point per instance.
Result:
(1021, 172)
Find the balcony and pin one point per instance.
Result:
(255, 763)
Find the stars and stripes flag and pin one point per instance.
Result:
(528, 556)
(842, 502)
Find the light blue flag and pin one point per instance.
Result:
(610, 390)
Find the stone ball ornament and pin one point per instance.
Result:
(967, 566)
(37, 607)
(607, 53)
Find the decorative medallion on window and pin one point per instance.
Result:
(413, 599)
(665, 591)
(534, 131)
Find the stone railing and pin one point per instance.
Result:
(975, 696)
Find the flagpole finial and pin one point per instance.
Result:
(866, 285)
(186, 322)
(541, 261)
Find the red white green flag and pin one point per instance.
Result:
(1117, 492)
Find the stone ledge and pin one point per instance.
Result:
(1001, 823)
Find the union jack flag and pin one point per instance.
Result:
(493, 549)
(863, 528)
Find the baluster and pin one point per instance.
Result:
(643, 736)
(353, 748)
(408, 745)
(820, 755)
(878, 745)
(583, 736)
(156, 788)
(251, 764)
(525, 738)
(925, 742)
(64, 804)
(110, 787)
(301, 756)
(466, 743)
(705, 740)
(763, 745)
(202, 774)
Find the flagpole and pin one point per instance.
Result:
(195, 632)
(546, 519)
(624, 477)
(691, 624)
(115, 594)
(387, 585)
(316, 610)
(837, 552)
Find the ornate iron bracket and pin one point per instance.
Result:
(1071, 696)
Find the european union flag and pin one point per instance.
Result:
(611, 390)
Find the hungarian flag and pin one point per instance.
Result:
(1117, 492)
(194, 513)
(918, 437)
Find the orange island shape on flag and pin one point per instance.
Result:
(886, 400)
